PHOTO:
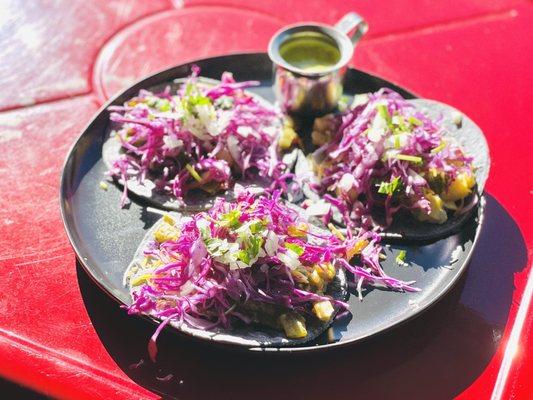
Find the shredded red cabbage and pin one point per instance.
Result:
(255, 249)
(201, 137)
(387, 154)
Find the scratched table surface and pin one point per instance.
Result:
(62, 337)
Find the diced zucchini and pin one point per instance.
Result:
(436, 180)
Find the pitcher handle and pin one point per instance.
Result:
(352, 22)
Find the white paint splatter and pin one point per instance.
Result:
(11, 120)
(6, 136)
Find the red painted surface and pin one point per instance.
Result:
(48, 47)
(61, 336)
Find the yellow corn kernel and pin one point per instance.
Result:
(299, 230)
(460, 187)
(357, 248)
(438, 214)
(168, 219)
(330, 271)
(293, 325)
(316, 280)
(326, 271)
(323, 310)
(288, 121)
(139, 280)
(166, 232)
(287, 138)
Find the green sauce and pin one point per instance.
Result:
(310, 51)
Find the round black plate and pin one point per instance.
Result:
(105, 236)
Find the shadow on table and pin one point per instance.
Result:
(437, 355)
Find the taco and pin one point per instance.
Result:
(411, 167)
(180, 148)
(253, 272)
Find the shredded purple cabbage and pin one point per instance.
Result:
(255, 249)
(387, 154)
(202, 137)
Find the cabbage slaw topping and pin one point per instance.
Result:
(202, 269)
(201, 137)
(387, 154)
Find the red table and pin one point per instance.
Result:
(61, 336)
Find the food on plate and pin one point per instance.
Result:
(198, 139)
(256, 271)
(384, 159)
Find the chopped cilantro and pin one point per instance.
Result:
(383, 112)
(397, 144)
(256, 227)
(406, 157)
(299, 250)
(437, 149)
(251, 250)
(230, 219)
(389, 188)
(216, 247)
(255, 243)
(400, 258)
(243, 256)
(414, 121)
(163, 105)
(193, 98)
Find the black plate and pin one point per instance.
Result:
(105, 237)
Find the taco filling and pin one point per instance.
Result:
(203, 137)
(253, 261)
(384, 156)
